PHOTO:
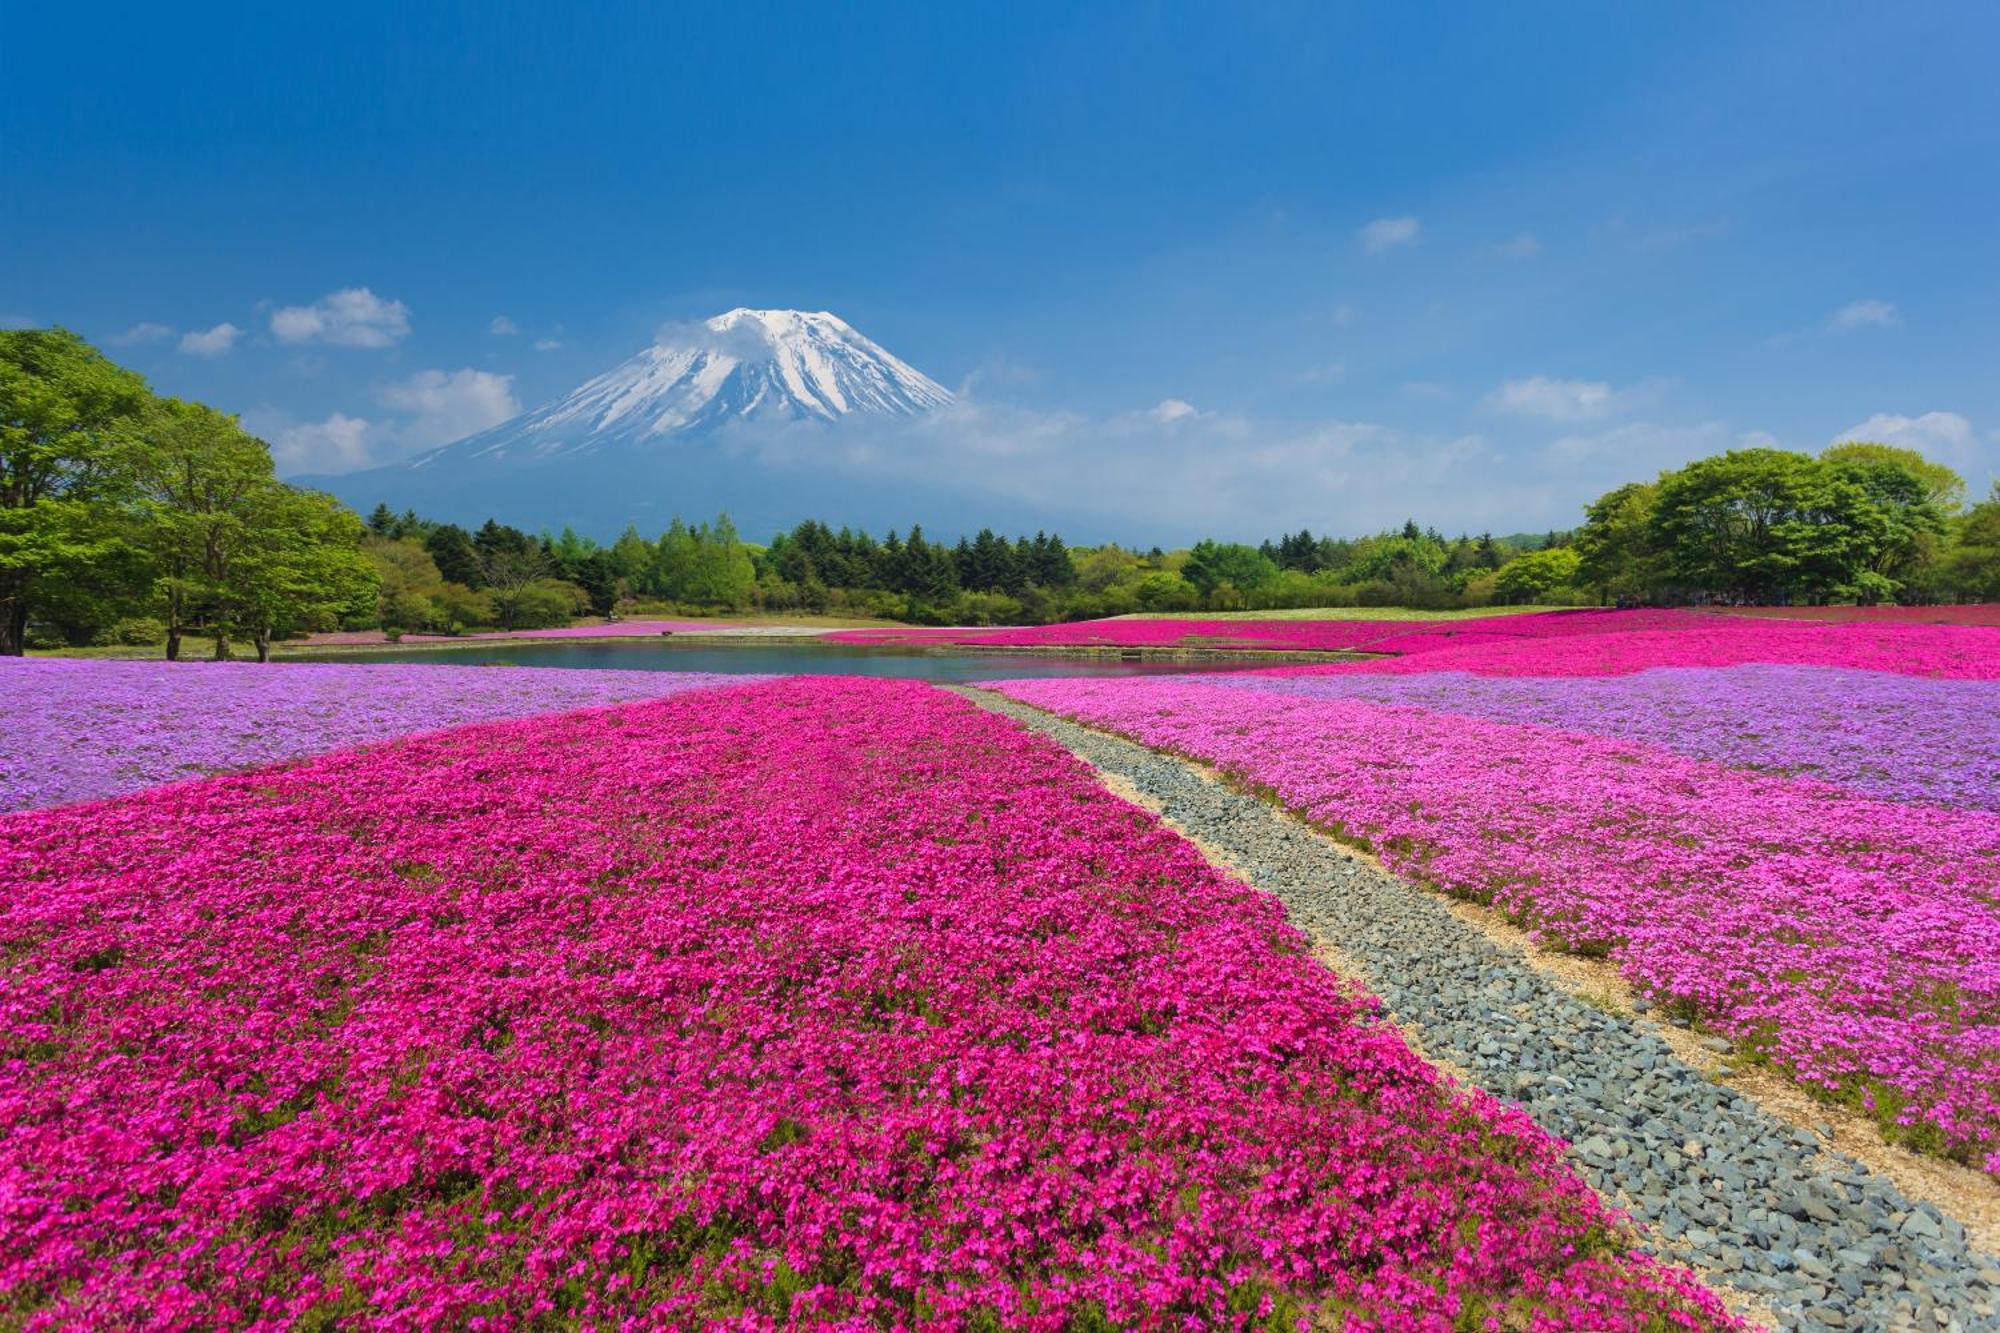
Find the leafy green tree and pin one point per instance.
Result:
(1942, 486)
(457, 559)
(1972, 562)
(1163, 590)
(1534, 574)
(200, 478)
(300, 568)
(409, 587)
(630, 555)
(1211, 565)
(924, 570)
(65, 411)
(597, 575)
(1615, 545)
(1765, 524)
(1903, 489)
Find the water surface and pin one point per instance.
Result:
(780, 656)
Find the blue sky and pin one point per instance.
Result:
(1331, 264)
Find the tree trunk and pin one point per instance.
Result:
(221, 646)
(14, 627)
(173, 643)
(263, 641)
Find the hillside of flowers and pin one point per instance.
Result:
(1805, 859)
(81, 730)
(805, 1001)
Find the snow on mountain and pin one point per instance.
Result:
(746, 365)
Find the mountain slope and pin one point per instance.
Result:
(746, 365)
(661, 433)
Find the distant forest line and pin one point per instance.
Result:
(127, 518)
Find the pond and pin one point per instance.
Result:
(781, 656)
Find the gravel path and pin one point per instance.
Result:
(1754, 1204)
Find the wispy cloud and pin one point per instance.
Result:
(1945, 431)
(429, 408)
(1549, 399)
(446, 405)
(1386, 234)
(1862, 315)
(210, 343)
(145, 331)
(547, 344)
(352, 317)
(503, 327)
(1522, 246)
(340, 443)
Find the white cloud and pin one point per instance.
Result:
(1171, 410)
(338, 444)
(1863, 314)
(1342, 315)
(352, 317)
(1523, 246)
(503, 327)
(447, 405)
(1577, 468)
(436, 407)
(1758, 439)
(1210, 473)
(547, 344)
(1936, 433)
(1559, 400)
(145, 331)
(210, 343)
(1384, 234)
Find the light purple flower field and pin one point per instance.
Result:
(84, 730)
(1907, 738)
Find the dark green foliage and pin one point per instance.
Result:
(1861, 522)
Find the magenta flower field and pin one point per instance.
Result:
(82, 730)
(809, 1000)
(1551, 643)
(1804, 858)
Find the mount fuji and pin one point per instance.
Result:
(680, 428)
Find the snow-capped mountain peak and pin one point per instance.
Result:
(741, 365)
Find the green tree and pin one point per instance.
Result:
(409, 588)
(200, 479)
(1535, 574)
(300, 568)
(457, 559)
(1764, 524)
(1615, 545)
(1211, 564)
(1904, 489)
(1972, 561)
(65, 411)
(1944, 487)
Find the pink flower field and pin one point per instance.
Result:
(1839, 916)
(814, 1000)
(1553, 643)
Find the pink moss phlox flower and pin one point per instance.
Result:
(1854, 940)
(1551, 643)
(820, 1000)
